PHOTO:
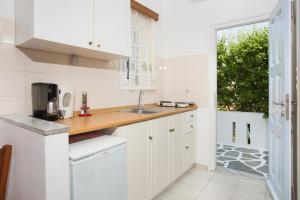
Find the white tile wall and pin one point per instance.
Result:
(186, 79)
(18, 71)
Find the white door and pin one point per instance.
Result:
(112, 26)
(68, 22)
(279, 103)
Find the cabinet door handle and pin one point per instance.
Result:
(98, 45)
(150, 138)
(90, 42)
(192, 116)
(192, 126)
(170, 130)
(186, 147)
(174, 129)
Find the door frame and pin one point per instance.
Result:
(212, 161)
(298, 97)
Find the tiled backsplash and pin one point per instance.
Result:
(101, 80)
(186, 79)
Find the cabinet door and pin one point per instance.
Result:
(171, 149)
(138, 159)
(189, 150)
(160, 155)
(112, 26)
(178, 145)
(64, 21)
(175, 147)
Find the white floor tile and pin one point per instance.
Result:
(212, 195)
(220, 188)
(194, 180)
(186, 191)
(252, 186)
(225, 179)
(172, 196)
(199, 184)
(202, 173)
(242, 194)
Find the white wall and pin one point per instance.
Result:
(258, 129)
(186, 28)
(187, 38)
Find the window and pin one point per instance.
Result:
(139, 71)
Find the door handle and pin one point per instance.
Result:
(278, 104)
(171, 130)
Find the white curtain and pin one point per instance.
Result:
(139, 72)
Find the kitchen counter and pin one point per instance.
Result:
(39, 126)
(115, 117)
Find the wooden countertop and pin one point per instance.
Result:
(115, 117)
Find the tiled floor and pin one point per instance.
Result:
(252, 161)
(199, 184)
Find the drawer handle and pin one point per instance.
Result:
(90, 43)
(98, 45)
(150, 138)
(170, 130)
(186, 147)
(192, 116)
(192, 126)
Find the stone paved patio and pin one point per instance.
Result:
(252, 161)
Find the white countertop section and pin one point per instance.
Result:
(36, 125)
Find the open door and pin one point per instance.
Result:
(280, 82)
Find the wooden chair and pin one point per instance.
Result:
(5, 157)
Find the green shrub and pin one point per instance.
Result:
(243, 74)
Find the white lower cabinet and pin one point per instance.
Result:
(175, 146)
(158, 152)
(138, 159)
(189, 150)
(160, 162)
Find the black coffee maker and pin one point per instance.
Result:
(45, 101)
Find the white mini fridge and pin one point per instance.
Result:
(98, 169)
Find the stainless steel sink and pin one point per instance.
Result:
(144, 111)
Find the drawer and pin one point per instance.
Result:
(189, 116)
(189, 126)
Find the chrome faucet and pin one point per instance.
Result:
(140, 107)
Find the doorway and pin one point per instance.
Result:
(243, 98)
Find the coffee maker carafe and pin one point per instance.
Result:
(45, 101)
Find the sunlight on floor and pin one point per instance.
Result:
(199, 184)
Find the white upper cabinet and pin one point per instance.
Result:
(89, 28)
(112, 26)
(69, 23)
